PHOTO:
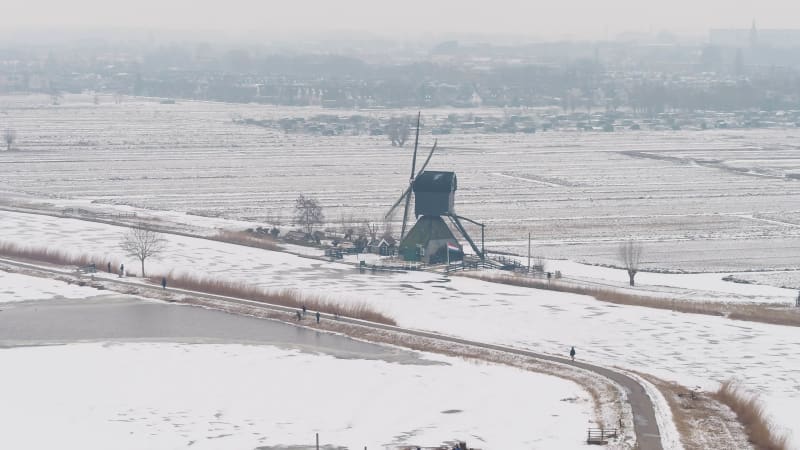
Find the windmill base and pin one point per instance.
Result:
(427, 242)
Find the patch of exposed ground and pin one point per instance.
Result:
(702, 421)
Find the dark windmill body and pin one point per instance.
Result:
(431, 240)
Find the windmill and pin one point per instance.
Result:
(431, 239)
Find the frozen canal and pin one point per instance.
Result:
(111, 371)
(120, 318)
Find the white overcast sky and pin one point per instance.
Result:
(404, 18)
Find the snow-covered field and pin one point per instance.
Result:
(690, 349)
(169, 396)
(714, 200)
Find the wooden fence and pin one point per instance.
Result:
(600, 436)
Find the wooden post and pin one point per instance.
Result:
(483, 248)
(529, 252)
(317, 441)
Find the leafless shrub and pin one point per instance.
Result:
(750, 412)
(9, 136)
(308, 213)
(398, 130)
(630, 255)
(283, 297)
(142, 243)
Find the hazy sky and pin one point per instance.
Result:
(405, 18)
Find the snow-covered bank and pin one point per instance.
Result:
(17, 288)
(166, 396)
(690, 286)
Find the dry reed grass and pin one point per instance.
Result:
(283, 297)
(750, 412)
(771, 314)
(699, 418)
(57, 257)
(247, 239)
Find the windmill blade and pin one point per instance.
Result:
(416, 143)
(407, 193)
(428, 159)
(397, 203)
(405, 215)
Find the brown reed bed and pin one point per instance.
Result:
(58, 257)
(750, 412)
(248, 239)
(284, 297)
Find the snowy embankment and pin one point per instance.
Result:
(689, 349)
(17, 288)
(159, 396)
(689, 287)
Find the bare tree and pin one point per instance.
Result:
(142, 243)
(398, 130)
(371, 229)
(388, 229)
(630, 254)
(347, 227)
(376, 228)
(308, 212)
(56, 97)
(9, 136)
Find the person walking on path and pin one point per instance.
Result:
(317, 316)
(572, 353)
(298, 316)
(164, 283)
(109, 267)
(121, 270)
(304, 310)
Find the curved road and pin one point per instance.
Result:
(644, 420)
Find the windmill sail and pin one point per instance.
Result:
(411, 180)
(408, 190)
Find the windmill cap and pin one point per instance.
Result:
(434, 181)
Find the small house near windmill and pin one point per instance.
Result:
(387, 246)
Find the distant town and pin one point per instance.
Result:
(745, 78)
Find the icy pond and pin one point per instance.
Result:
(120, 318)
